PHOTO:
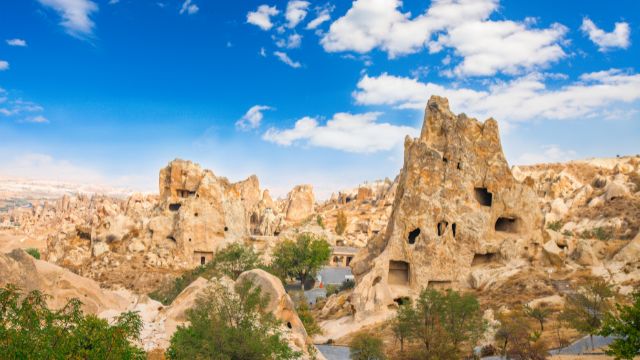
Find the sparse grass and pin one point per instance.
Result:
(567, 233)
(319, 221)
(555, 225)
(600, 233)
(33, 252)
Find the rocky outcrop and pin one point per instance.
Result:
(300, 203)
(457, 204)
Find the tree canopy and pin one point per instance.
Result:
(300, 259)
(625, 327)
(30, 330)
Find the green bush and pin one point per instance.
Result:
(30, 330)
(230, 261)
(33, 252)
(366, 347)
(555, 225)
(347, 284)
(225, 324)
(331, 289)
(300, 259)
(602, 234)
(625, 327)
(320, 221)
(305, 315)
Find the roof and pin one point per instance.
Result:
(345, 250)
(335, 275)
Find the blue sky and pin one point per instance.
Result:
(104, 91)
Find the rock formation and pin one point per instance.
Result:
(457, 205)
(300, 203)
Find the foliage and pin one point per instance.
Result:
(341, 223)
(231, 325)
(555, 225)
(403, 324)
(30, 330)
(600, 233)
(231, 261)
(366, 347)
(33, 252)
(539, 313)
(331, 289)
(320, 221)
(585, 309)
(305, 315)
(447, 325)
(347, 284)
(517, 340)
(625, 327)
(300, 259)
(567, 233)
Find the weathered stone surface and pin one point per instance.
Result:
(456, 202)
(300, 203)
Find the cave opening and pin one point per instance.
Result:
(174, 207)
(483, 196)
(482, 259)
(413, 234)
(453, 229)
(508, 225)
(398, 273)
(442, 227)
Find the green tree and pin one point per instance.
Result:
(366, 347)
(403, 324)
(446, 324)
(305, 315)
(30, 330)
(625, 327)
(300, 259)
(230, 325)
(341, 223)
(320, 221)
(585, 309)
(539, 313)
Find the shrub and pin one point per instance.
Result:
(33, 252)
(305, 315)
(517, 339)
(341, 223)
(567, 233)
(366, 347)
(555, 225)
(30, 330)
(602, 234)
(227, 324)
(320, 221)
(347, 284)
(625, 327)
(331, 289)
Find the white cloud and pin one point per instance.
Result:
(358, 133)
(38, 119)
(296, 12)
(17, 42)
(286, 59)
(263, 52)
(189, 8)
(547, 154)
(44, 166)
(4, 65)
(522, 99)
(293, 41)
(75, 14)
(262, 16)
(486, 47)
(323, 16)
(618, 38)
(17, 107)
(252, 118)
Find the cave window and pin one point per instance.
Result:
(171, 238)
(442, 227)
(402, 301)
(289, 325)
(445, 160)
(336, 260)
(483, 196)
(459, 166)
(226, 228)
(339, 242)
(398, 273)
(453, 229)
(203, 260)
(349, 258)
(195, 214)
(413, 235)
(189, 239)
(174, 207)
(507, 224)
(348, 199)
(481, 259)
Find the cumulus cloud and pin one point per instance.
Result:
(189, 8)
(75, 14)
(357, 133)
(618, 38)
(16, 42)
(547, 154)
(262, 16)
(252, 118)
(521, 99)
(293, 41)
(486, 47)
(4, 65)
(296, 12)
(286, 59)
(322, 17)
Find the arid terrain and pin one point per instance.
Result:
(456, 217)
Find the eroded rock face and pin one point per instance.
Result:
(301, 203)
(457, 204)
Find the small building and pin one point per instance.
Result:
(342, 256)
